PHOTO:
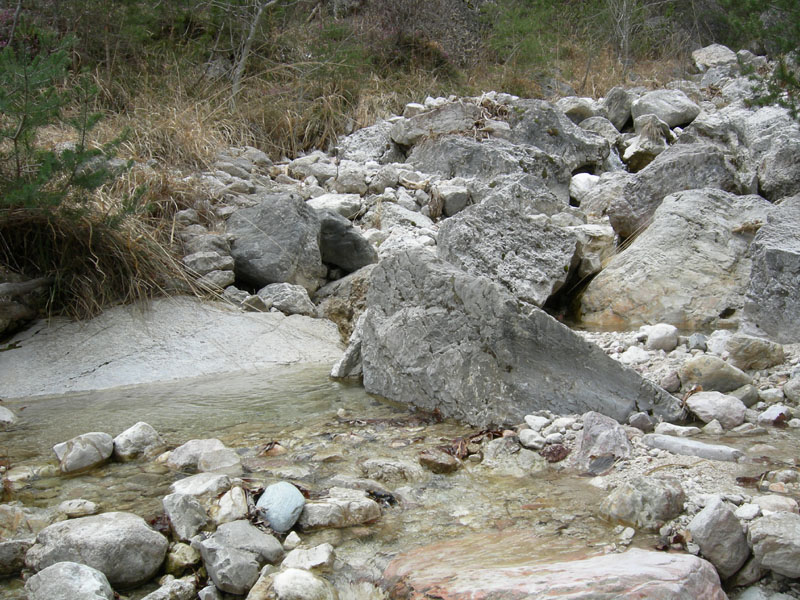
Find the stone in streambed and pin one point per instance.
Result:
(280, 505)
(84, 451)
(69, 581)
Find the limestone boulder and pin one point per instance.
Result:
(685, 447)
(288, 298)
(747, 352)
(277, 241)
(186, 515)
(689, 268)
(773, 305)
(499, 239)
(186, 456)
(136, 441)
(601, 437)
(119, 545)
(712, 374)
(12, 555)
(617, 105)
(709, 406)
(540, 124)
(341, 508)
(715, 55)
(84, 451)
(775, 540)
(779, 167)
(348, 206)
(68, 581)
(439, 338)
(342, 245)
(448, 118)
(644, 502)
(679, 167)
(720, 536)
(370, 143)
(671, 106)
(482, 567)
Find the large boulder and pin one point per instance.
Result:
(540, 124)
(69, 581)
(137, 440)
(501, 240)
(277, 241)
(775, 540)
(84, 451)
(689, 268)
(645, 502)
(457, 156)
(773, 304)
(442, 339)
(720, 536)
(448, 118)
(482, 567)
(679, 167)
(617, 105)
(779, 168)
(370, 143)
(342, 245)
(119, 545)
(171, 338)
(671, 106)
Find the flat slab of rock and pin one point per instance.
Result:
(686, 447)
(173, 338)
(481, 568)
(439, 338)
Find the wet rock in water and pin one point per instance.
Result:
(175, 589)
(503, 240)
(186, 456)
(223, 460)
(712, 374)
(482, 567)
(186, 515)
(387, 469)
(120, 545)
(299, 584)
(710, 406)
(319, 558)
(281, 505)
(439, 338)
(7, 418)
(181, 558)
(746, 352)
(231, 506)
(202, 484)
(68, 581)
(12, 555)
(777, 414)
(136, 441)
(235, 553)
(775, 540)
(504, 455)
(554, 453)
(277, 241)
(601, 436)
(692, 447)
(84, 451)
(689, 267)
(77, 508)
(438, 461)
(720, 536)
(772, 306)
(644, 502)
(288, 298)
(342, 508)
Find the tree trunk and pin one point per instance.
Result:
(238, 72)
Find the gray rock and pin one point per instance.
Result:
(644, 502)
(748, 394)
(84, 451)
(316, 164)
(747, 352)
(602, 127)
(300, 584)
(347, 205)
(370, 143)
(343, 245)
(210, 592)
(533, 440)
(280, 505)
(791, 388)
(775, 540)
(505, 456)
(202, 484)
(224, 460)
(712, 374)
(288, 298)
(777, 414)
(661, 336)
(351, 178)
(174, 589)
(773, 307)
(779, 168)
(439, 461)
(697, 341)
(209, 242)
(689, 268)
(710, 406)
(678, 168)
(448, 118)
(442, 339)
(277, 241)
(235, 553)
(120, 545)
(642, 422)
(540, 124)
(318, 558)
(715, 55)
(456, 156)
(720, 536)
(596, 247)
(686, 447)
(653, 136)
(601, 436)
(342, 508)
(501, 240)
(609, 187)
(186, 515)
(388, 469)
(453, 198)
(203, 263)
(136, 441)
(671, 106)
(68, 581)
(617, 105)
(187, 455)
(216, 281)
(577, 109)
(175, 338)
(12, 555)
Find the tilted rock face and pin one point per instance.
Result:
(499, 239)
(439, 338)
(277, 241)
(544, 126)
(680, 167)
(481, 567)
(689, 268)
(457, 156)
(773, 304)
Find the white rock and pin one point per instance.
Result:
(201, 484)
(708, 406)
(661, 336)
(318, 558)
(77, 508)
(747, 512)
(773, 503)
(536, 423)
(634, 356)
(136, 441)
(232, 506)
